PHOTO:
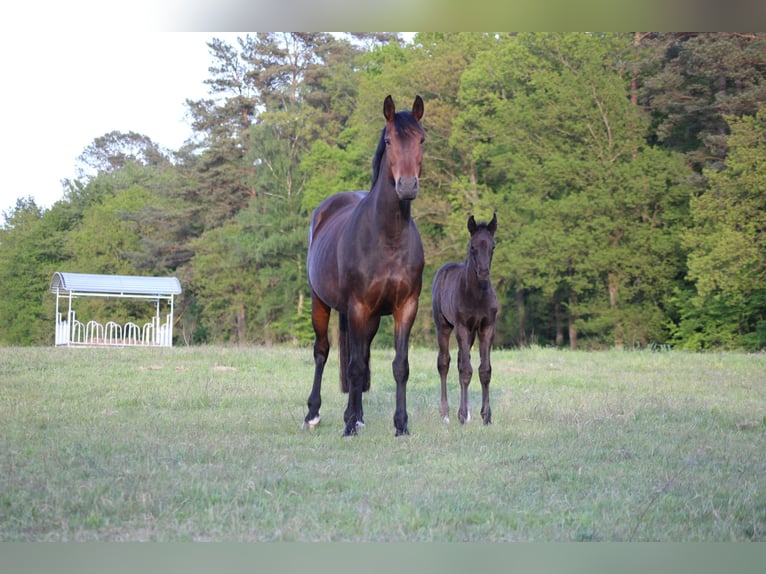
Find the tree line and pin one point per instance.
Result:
(627, 172)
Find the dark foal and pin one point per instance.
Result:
(465, 301)
(365, 260)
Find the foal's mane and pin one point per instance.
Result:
(403, 122)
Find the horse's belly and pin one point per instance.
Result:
(323, 274)
(327, 224)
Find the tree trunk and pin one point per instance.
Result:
(572, 320)
(241, 330)
(559, 324)
(521, 309)
(572, 332)
(619, 334)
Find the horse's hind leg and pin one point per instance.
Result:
(465, 371)
(344, 359)
(320, 319)
(343, 351)
(362, 329)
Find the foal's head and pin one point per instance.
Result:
(481, 248)
(402, 141)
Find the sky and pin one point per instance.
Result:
(63, 90)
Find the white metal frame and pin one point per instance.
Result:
(71, 332)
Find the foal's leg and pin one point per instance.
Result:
(444, 331)
(320, 318)
(465, 339)
(404, 317)
(486, 336)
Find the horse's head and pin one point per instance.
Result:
(403, 139)
(481, 247)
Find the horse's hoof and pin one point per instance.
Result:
(445, 418)
(360, 424)
(402, 432)
(310, 424)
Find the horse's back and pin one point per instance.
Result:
(445, 285)
(333, 209)
(328, 221)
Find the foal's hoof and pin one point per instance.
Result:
(445, 418)
(310, 424)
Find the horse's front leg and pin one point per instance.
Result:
(320, 318)
(404, 317)
(464, 341)
(485, 370)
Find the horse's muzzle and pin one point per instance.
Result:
(407, 187)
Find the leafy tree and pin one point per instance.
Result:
(584, 144)
(113, 151)
(558, 141)
(691, 81)
(24, 254)
(224, 295)
(295, 89)
(727, 246)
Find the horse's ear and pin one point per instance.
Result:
(389, 109)
(493, 224)
(472, 227)
(417, 108)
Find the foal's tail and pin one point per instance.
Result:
(343, 355)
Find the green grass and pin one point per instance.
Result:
(205, 444)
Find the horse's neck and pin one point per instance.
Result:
(390, 216)
(470, 279)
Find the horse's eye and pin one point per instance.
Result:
(422, 140)
(387, 141)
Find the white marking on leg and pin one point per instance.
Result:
(313, 423)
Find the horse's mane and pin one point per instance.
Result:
(402, 121)
(376, 159)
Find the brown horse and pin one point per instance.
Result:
(464, 300)
(365, 260)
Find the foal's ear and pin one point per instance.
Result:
(472, 227)
(492, 226)
(388, 108)
(417, 108)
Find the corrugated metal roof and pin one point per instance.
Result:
(64, 283)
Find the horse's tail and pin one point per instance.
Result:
(343, 351)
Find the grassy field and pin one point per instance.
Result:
(205, 444)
